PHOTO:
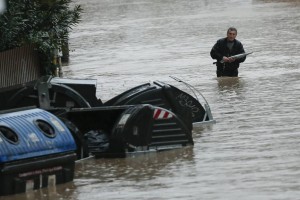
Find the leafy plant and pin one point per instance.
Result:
(44, 23)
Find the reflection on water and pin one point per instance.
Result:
(229, 83)
(132, 174)
(135, 167)
(62, 191)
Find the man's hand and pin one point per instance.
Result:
(228, 59)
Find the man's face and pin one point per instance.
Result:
(231, 35)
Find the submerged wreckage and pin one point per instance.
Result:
(47, 124)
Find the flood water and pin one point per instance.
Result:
(252, 152)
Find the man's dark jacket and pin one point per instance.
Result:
(220, 49)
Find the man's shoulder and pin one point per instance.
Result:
(237, 41)
(221, 40)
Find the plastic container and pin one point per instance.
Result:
(36, 150)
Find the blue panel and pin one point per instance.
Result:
(32, 142)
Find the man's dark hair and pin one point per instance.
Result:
(231, 29)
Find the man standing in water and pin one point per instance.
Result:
(223, 50)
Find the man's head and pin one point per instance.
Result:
(231, 34)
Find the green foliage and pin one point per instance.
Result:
(44, 23)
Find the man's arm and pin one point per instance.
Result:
(235, 57)
(241, 51)
(215, 53)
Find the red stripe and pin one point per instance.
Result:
(166, 115)
(156, 113)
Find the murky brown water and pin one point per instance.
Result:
(252, 152)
